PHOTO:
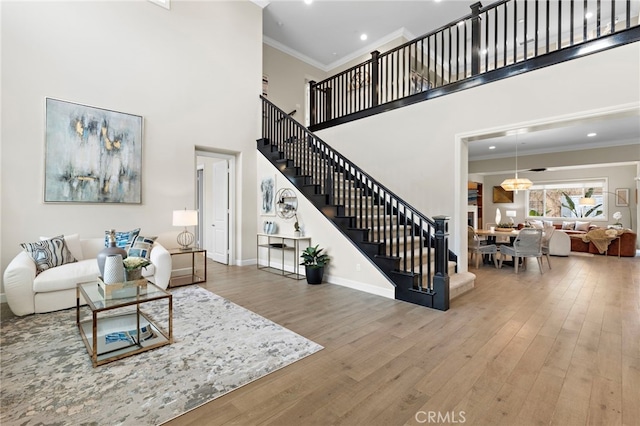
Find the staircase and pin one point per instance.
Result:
(410, 249)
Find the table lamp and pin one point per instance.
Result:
(185, 218)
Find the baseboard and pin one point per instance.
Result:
(389, 293)
(248, 262)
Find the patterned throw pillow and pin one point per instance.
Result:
(141, 247)
(568, 225)
(49, 253)
(123, 238)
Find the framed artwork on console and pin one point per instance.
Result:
(268, 195)
(622, 197)
(92, 155)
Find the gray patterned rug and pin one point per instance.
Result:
(47, 377)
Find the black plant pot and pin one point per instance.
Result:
(314, 274)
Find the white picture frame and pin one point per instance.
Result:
(622, 197)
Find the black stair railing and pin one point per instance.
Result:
(381, 217)
(488, 40)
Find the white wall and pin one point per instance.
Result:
(348, 266)
(419, 151)
(287, 80)
(192, 72)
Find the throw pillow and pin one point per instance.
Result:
(141, 247)
(582, 226)
(537, 224)
(123, 238)
(49, 253)
(568, 225)
(73, 244)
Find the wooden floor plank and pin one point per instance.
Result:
(559, 348)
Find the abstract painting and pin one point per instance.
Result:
(92, 155)
(267, 194)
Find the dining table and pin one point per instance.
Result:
(492, 235)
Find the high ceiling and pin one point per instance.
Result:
(326, 34)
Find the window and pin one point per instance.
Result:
(561, 200)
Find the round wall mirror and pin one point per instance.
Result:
(286, 203)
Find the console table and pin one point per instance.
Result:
(286, 245)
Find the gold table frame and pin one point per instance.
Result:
(134, 295)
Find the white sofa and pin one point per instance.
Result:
(55, 288)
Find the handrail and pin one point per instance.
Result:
(389, 219)
(488, 39)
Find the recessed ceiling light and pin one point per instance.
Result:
(590, 135)
(363, 37)
(492, 147)
(308, 1)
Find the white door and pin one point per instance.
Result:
(220, 226)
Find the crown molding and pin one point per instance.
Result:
(401, 32)
(261, 3)
(291, 52)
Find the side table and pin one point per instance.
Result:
(198, 268)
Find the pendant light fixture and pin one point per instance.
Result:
(516, 183)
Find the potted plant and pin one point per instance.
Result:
(314, 261)
(133, 267)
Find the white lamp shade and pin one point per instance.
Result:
(511, 213)
(185, 217)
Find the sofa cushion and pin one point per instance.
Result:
(66, 276)
(582, 226)
(123, 238)
(48, 254)
(536, 224)
(141, 246)
(569, 225)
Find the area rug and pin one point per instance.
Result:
(47, 376)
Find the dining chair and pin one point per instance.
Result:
(477, 249)
(528, 243)
(546, 237)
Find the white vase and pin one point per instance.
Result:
(113, 269)
(498, 217)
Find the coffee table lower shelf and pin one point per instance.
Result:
(117, 337)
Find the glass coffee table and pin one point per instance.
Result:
(118, 327)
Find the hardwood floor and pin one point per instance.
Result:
(562, 348)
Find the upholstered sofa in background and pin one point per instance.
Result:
(626, 245)
(55, 288)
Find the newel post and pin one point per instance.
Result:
(374, 77)
(475, 38)
(312, 103)
(441, 277)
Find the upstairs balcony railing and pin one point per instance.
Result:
(493, 42)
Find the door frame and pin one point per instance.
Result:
(231, 195)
